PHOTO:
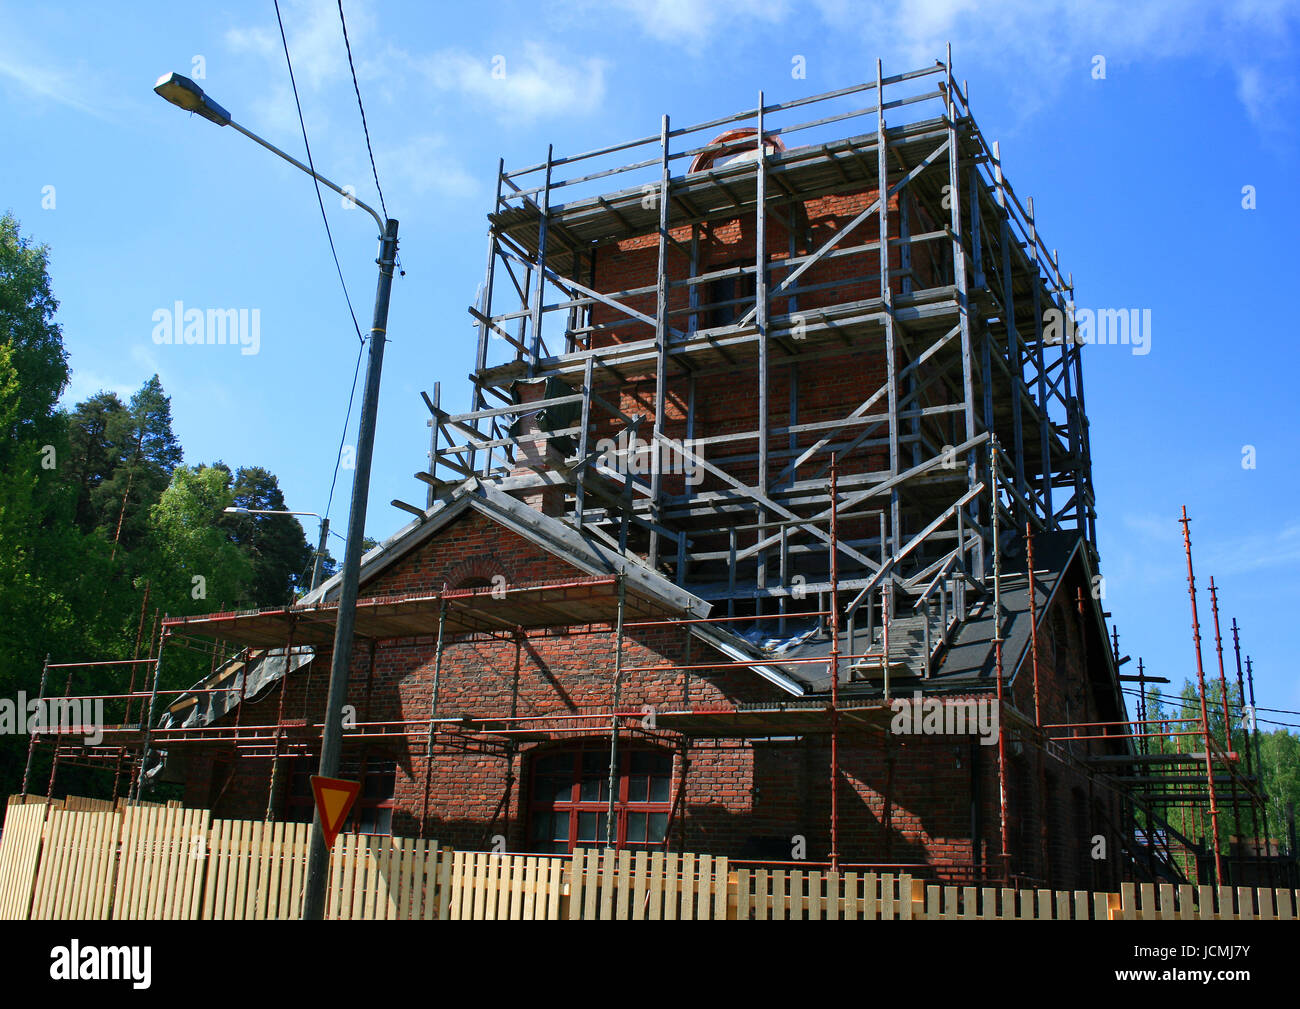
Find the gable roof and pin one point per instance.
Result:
(570, 544)
(969, 661)
(559, 538)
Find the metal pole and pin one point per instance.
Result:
(1259, 759)
(835, 673)
(273, 788)
(997, 645)
(54, 764)
(320, 552)
(1205, 715)
(1142, 705)
(1038, 720)
(1227, 714)
(1241, 688)
(313, 905)
(610, 839)
(433, 713)
(147, 725)
(40, 704)
(1223, 680)
(1033, 616)
(1247, 729)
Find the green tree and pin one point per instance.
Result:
(1280, 759)
(34, 339)
(38, 552)
(92, 428)
(145, 452)
(194, 565)
(275, 544)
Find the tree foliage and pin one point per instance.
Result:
(1274, 755)
(101, 523)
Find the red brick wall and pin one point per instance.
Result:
(902, 800)
(727, 403)
(1062, 853)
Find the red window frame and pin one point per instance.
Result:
(561, 780)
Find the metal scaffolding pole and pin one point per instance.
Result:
(273, 787)
(1200, 682)
(835, 674)
(433, 714)
(1223, 691)
(147, 725)
(1248, 731)
(1038, 719)
(611, 837)
(997, 646)
(31, 738)
(1259, 759)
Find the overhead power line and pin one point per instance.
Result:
(319, 199)
(364, 126)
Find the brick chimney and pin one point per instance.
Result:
(535, 452)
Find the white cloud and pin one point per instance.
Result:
(54, 84)
(1034, 46)
(315, 40)
(1254, 551)
(426, 164)
(694, 23)
(84, 384)
(522, 85)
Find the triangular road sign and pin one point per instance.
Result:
(334, 798)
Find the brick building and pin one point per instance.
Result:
(804, 487)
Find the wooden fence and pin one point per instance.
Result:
(83, 860)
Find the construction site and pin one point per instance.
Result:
(769, 533)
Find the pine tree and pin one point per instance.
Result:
(149, 453)
(275, 544)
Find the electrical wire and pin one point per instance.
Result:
(364, 127)
(1238, 708)
(310, 164)
(347, 419)
(1231, 703)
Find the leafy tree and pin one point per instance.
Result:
(1279, 751)
(35, 341)
(1280, 759)
(276, 545)
(96, 507)
(37, 552)
(195, 566)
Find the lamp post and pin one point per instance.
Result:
(184, 93)
(317, 565)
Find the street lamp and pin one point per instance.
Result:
(317, 566)
(184, 93)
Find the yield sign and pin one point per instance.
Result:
(334, 798)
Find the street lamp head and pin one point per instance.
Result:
(184, 93)
(236, 510)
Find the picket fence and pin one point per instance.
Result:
(92, 860)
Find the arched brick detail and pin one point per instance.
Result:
(475, 568)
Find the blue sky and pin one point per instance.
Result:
(1137, 177)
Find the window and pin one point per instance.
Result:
(569, 797)
(737, 290)
(372, 813)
